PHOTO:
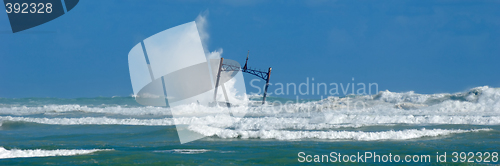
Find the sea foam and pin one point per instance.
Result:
(478, 106)
(18, 153)
(329, 135)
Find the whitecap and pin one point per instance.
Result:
(327, 135)
(184, 151)
(18, 153)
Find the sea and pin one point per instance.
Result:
(389, 128)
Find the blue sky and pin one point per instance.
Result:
(424, 46)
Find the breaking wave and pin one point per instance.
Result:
(330, 135)
(267, 123)
(478, 106)
(184, 151)
(18, 153)
(477, 101)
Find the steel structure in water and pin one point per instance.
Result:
(227, 67)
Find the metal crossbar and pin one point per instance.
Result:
(260, 74)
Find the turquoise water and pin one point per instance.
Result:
(117, 131)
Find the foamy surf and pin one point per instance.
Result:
(68, 108)
(91, 121)
(327, 135)
(269, 123)
(18, 153)
(477, 101)
(184, 151)
(218, 120)
(478, 106)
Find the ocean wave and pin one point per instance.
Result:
(320, 122)
(184, 110)
(91, 121)
(218, 120)
(18, 153)
(478, 106)
(327, 135)
(50, 109)
(484, 100)
(184, 151)
(333, 121)
(480, 101)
